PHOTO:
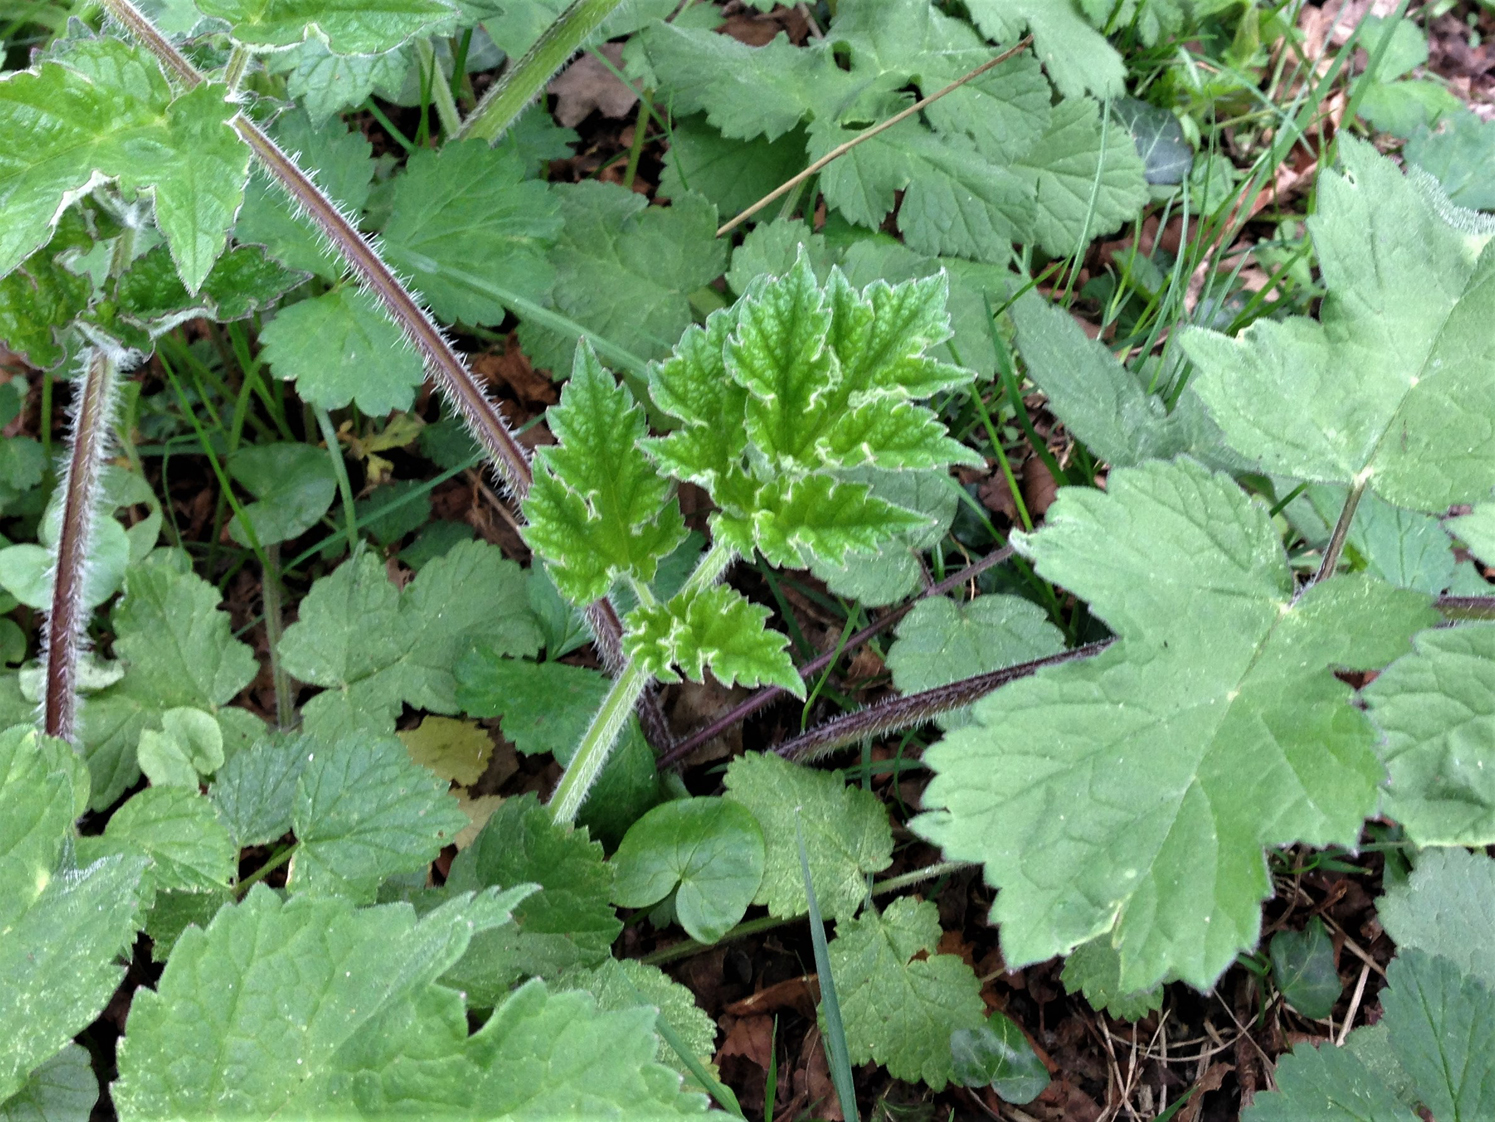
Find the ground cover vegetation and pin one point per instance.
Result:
(878, 559)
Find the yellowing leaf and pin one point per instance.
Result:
(455, 750)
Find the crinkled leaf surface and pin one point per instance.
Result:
(940, 642)
(1436, 711)
(1133, 792)
(323, 82)
(1329, 1084)
(340, 347)
(255, 791)
(377, 647)
(108, 112)
(64, 1089)
(42, 297)
(364, 811)
(178, 650)
(349, 27)
(1076, 56)
(628, 983)
(598, 510)
(463, 225)
(707, 851)
(189, 848)
(1410, 298)
(845, 829)
(718, 628)
(243, 281)
(60, 928)
(1094, 969)
(252, 1017)
(1441, 1023)
(900, 1010)
(569, 922)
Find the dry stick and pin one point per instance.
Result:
(69, 615)
(841, 149)
(769, 694)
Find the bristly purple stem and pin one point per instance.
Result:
(68, 619)
(917, 708)
(769, 694)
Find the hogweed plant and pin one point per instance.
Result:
(1119, 746)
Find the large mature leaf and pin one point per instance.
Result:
(1458, 155)
(845, 830)
(1327, 1084)
(463, 224)
(349, 27)
(1446, 908)
(253, 1016)
(569, 922)
(1077, 57)
(940, 642)
(1436, 708)
(62, 927)
(255, 792)
(1441, 1023)
(625, 270)
(1409, 300)
(902, 1000)
(108, 112)
(1133, 793)
(175, 827)
(628, 983)
(364, 811)
(340, 347)
(178, 651)
(597, 510)
(377, 647)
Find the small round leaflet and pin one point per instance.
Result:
(711, 848)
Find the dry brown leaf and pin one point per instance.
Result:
(586, 85)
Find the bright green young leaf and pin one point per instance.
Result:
(1094, 969)
(255, 791)
(546, 707)
(707, 851)
(377, 647)
(188, 746)
(627, 983)
(188, 847)
(997, 1054)
(253, 1016)
(322, 82)
(178, 651)
(1154, 774)
(716, 628)
(901, 1010)
(107, 111)
(845, 829)
(940, 642)
(1077, 57)
(569, 922)
(363, 811)
(293, 485)
(598, 510)
(463, 223)
(1446, 908)
(349, 27)
(1409, 298)
(625, 270)
(340, 347)
(63, 927)
(1436, 711)
(1303, 968)
(457, 751)
(63, 1088)
(817, 518)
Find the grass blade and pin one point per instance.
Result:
(838, 1055)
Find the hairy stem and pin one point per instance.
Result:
(918, 708)
(238, 63)
(68, 620)
(524, 80)
(769, 694)
(627, 688)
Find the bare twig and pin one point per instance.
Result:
(867, 134)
